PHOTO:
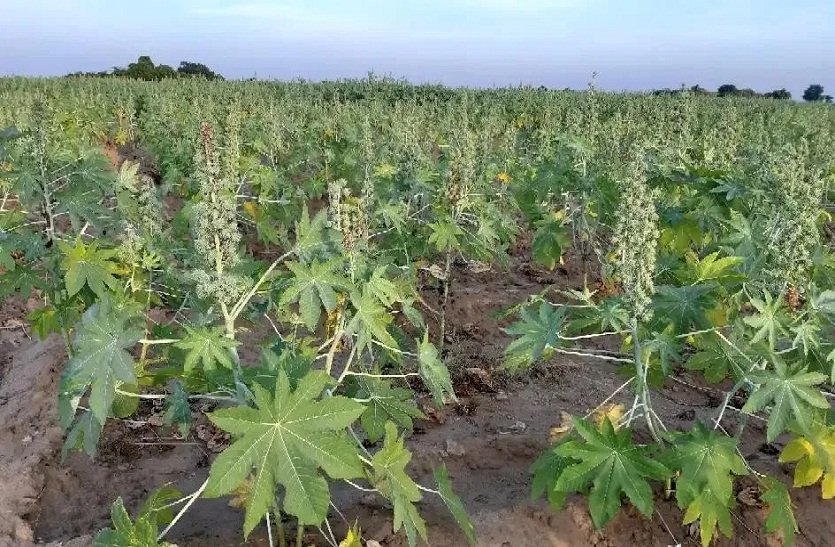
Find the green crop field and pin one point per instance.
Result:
(276, 263)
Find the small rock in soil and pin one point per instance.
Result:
(501, 396)
(769, 448)
(453, 448)
(749, 496)
(517, 427)
(466, 407)
(688, 415)
(481, 377)
(370, 500)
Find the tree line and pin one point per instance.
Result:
(814, 93)
(145, 69)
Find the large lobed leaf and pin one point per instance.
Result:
(284, 441)
(100, 361)
(791, 394)
(612, 465)
(390, 478)
(535, 333)
(707, 462)
(433, 371)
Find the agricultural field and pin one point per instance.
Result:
(366, 313)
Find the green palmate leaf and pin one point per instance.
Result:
(433, 371)
(88, 265)
(44, 321)
(296, 362)
(608, 315)
(825, 302)
(386, 291)
(393, 214)
(125, 533)
(666, 346)
(386, 403)
(546, 471)
(370, 320)
(445, 235)
(177, 409)
(81, 204)
(791, 394)
(100, 361)
(21, 280)
(716, 360)
(284, 441)
(84, 434)
(713, 268)
(157, 507)
(684, 308)
(612, 465)
(126, 401)
(707, 462)
(769, 321)
(313, 237)
(807, 336)
(390, 478)
(313, 287)
(549, 240)
(711, 512)
(535, 332)
(453, 503)
(206, 346)
(780, 512)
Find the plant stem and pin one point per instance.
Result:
(332, 351)
(643, 388)
(185, 508)
(299, 535)
(279, 525)
(447, 268)
(244, 300)
(270, 541)
(149, 342)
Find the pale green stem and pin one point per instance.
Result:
(643, 389)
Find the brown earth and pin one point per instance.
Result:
(488, 442)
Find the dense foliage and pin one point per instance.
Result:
(145, 69)
(311, 213)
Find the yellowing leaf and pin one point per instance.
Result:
(613, 412)
(352, 538)
(558, 432)
(241, 494)
(828, 486)
(251, 208)
(815, 457)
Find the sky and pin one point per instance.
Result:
(629, 44)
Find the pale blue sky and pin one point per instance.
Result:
(631, 44)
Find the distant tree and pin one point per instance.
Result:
(827, 99)
(747, 92)
(779, 94)
(198, 69)
(163, 72)
(699, 90)
(727, 89)
(813, 93)
(142, 69)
